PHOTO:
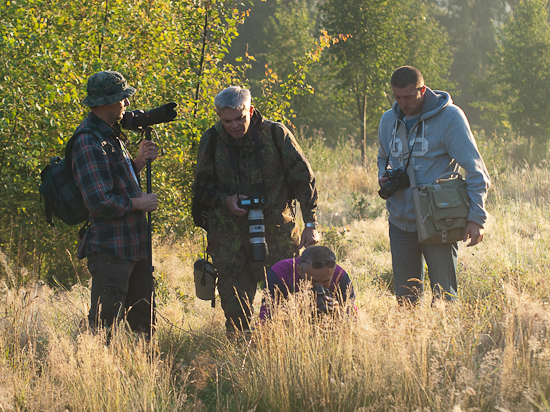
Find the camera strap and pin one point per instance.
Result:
(258, 189)
(234, 159)
(421, 227)
(406, 153)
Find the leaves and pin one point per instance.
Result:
(383, 35)
(50, 48)
(515, 90)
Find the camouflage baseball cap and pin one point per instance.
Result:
(107, 87)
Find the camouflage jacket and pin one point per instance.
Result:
(281, 168)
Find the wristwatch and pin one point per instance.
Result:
(312, 224)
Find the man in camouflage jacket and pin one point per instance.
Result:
(278, 170)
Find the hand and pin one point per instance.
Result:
(147, 202)
(147, 150)
(333, 305)
(474, 232)
(310, 236)
(231, 202)
(382, 181)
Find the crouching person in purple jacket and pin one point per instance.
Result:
(331, 284)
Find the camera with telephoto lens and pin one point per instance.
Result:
(321, 295)
(138, 119)
(256, 227)
(397, 179)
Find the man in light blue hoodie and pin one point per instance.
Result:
(440, 141)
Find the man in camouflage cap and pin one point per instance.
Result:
(107, 87)
(253, 158)
(115, 243)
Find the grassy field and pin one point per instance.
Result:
(490, 351)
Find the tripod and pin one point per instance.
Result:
(148, 130)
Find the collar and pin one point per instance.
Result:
(107, 130)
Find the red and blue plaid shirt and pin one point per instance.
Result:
(103, 175)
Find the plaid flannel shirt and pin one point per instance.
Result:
(103, 175)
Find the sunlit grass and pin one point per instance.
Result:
(490, 351)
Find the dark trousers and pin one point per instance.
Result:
(408, 258)
(121, 289)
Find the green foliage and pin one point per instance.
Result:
(277, 93)
(514, 92)
(289, 34)
(168, 51)
(384, 34)
(472, 34)
(335, 238)
(366, 206)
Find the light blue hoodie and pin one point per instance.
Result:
(443, 142)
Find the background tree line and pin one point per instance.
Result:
(323, 66)
(491, 55)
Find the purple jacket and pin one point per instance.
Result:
(283, 277)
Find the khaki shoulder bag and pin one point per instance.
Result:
(441, 208)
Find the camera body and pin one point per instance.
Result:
(397, 179)
(321, 295)
(253, 203)
(256, 227)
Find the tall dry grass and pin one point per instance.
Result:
(490, 351)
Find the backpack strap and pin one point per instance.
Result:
(69, 162)
(69, 147)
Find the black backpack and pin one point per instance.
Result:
(201, 210)
(62, 197)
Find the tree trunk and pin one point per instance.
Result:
(364, 148)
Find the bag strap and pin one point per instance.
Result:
(69, 162)
(213, 146)
(69, 147)
(274, 137)
(260, 161)
(420, 226)
(410, 170)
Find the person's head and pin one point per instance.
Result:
(317, 265)
(408, 89)
(234, 108)
(108, 94)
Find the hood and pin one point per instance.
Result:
(434, 102)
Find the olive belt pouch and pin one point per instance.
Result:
(205, 276)
(441, 210)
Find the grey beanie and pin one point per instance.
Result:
(107, 87)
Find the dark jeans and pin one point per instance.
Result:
(121, 289)
(408, 258)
